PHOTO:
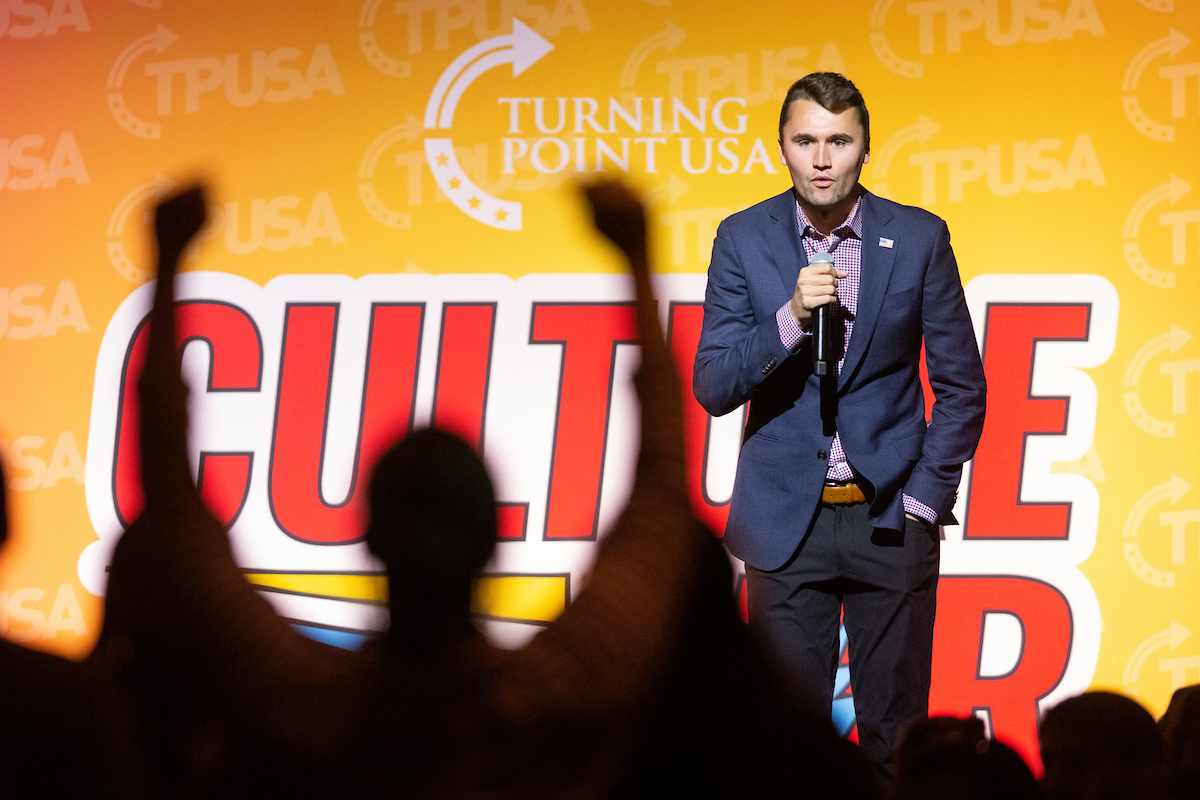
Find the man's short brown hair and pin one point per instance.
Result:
(832, 92)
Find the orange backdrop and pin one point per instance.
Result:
(370, 156)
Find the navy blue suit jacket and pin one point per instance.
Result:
(909, 291)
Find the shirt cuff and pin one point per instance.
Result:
(919, 509)
(789, 332)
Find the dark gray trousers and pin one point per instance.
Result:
(885, 582)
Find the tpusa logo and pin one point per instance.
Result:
(942, 24)
(549, 136)
(275, 223)
(522, 49)
(278, 76)
(1041, 165)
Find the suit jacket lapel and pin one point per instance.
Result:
(876, 271)
(784, 241)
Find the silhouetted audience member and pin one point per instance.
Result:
(228, 698)
(62, 733)
(1180, 728)
(1097, 742)
(947, 758)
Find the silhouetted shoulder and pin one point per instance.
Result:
(63, 732)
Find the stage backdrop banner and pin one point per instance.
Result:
(396, 239)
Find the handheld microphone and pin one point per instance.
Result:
(822, 328)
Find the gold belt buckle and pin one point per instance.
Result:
(842, 494)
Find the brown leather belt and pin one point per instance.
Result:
(842, 494)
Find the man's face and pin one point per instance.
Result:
(825, 153)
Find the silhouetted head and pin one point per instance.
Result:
(432, 516)
(1086, 737)
(925, 736)
(1180, 727)
(948, 758)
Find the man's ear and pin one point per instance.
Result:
(866, 156)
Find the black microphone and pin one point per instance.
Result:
(822, 328)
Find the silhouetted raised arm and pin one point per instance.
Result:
(619, 216)
(607, 653)
(196, 647)
(161, 391)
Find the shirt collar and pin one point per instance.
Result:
(853, 223)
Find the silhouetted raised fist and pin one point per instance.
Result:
(179, 218)
(618, 215)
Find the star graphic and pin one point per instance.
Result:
(443, 160)
(474, 201)
(454, 183)
(501, 215)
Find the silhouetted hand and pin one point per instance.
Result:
(619, 215)
(178, 219)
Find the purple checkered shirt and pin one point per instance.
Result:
(844, 243)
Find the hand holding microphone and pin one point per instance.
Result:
(816, 288)
(822, 325)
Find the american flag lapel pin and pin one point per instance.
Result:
(885, 243)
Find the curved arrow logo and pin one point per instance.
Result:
(371, 49)
(1173, 340)
(155, 189)
(1172, 490)
(667, 39)
(1173, 190)
(407, 131)
(883, 51)
(921, 131)
(158, 41)
(1171, 44)
(522, 48)
(1172, 636)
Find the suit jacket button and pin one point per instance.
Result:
(822, 455)
(768, 366)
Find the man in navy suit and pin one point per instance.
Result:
(841, 486)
